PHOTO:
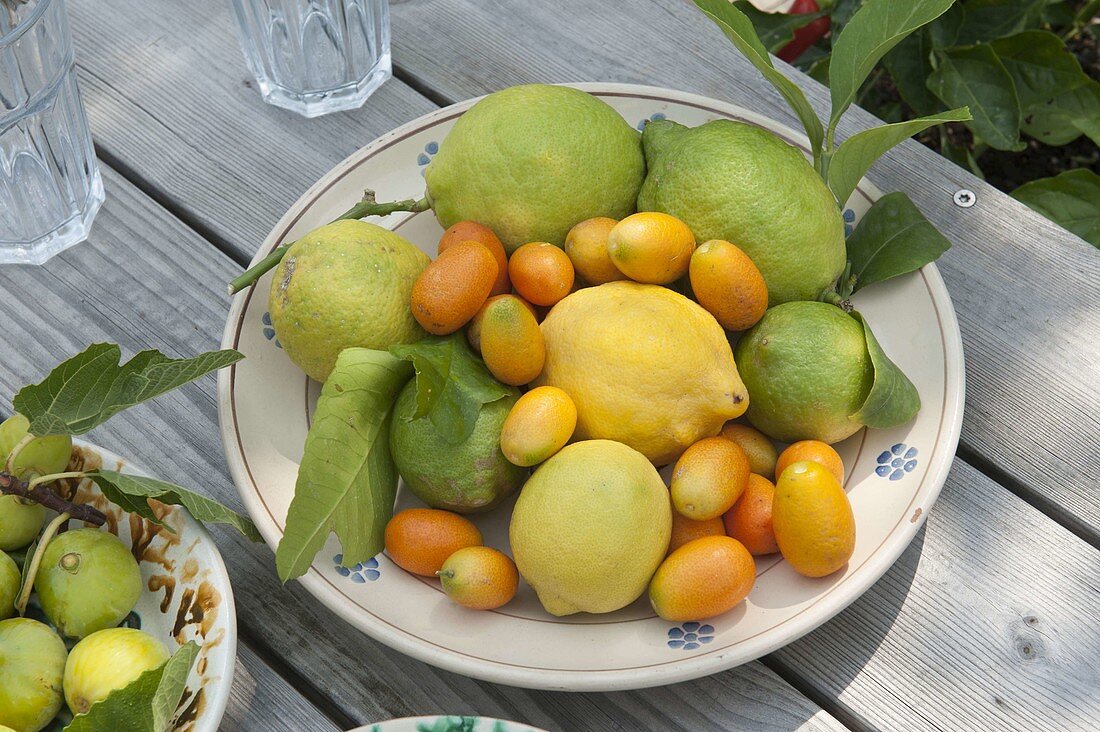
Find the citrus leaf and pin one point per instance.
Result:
(893, 399)
(132, 494)
(91, 387)
(146, 704)
(975, 77)
(943, 32)
(873, 31)
(776, 29)
(987, 20)
(738, 28)
(347, 481)
(451, 384)
(1040, 65)
(1063, 118)
(858, 153)
(1071, 200)
(909, 65)
(892, 238)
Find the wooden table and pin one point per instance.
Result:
(987, 622)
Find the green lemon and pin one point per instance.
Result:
(590, 527)
(531, 161)
(738, 182)
(469, 477)
(807, 370)
(343, 285)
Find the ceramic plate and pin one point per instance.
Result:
(893, 476)
(446, 724)
(186, 596)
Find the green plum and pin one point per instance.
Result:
(32, 665)
(9, 585)
(88, 581)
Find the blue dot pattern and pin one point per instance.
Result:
(426, 157)
(849, 221)
(651, 118)
(689, 636)
(896, 462)
(269, 330)
(361, 573)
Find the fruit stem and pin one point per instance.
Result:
(9, 465)
(833, 298)
(37, 491)
(36, 561)
(366, 207)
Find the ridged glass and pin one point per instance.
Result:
(50, 187)
(315, 56)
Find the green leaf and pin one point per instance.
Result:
(987, 20)
(1071, 200)
(872, 32)
(146, 704)
(893, 399)
(132, 493)
(738, 28)
(1040, 65)
(91, 387)
(943, 32)
(857, 154)
(776, 29)
(451, 384)
(347, 481)
(974, 77)
(909, 66)
(892, 238)
(1064, 118)
(960, 155)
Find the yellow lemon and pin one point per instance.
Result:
(644, 365)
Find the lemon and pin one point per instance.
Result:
(590, 528)
(644, 365)
(742, 184)
(345, 284)
(808, 370)
(531, 161)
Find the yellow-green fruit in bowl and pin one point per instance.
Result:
(343, 285)
(590, 527)
(9, 585)
(531, 161)
(108, 660)
(808, 370)
(32, 661)
(644, 365)
(742, 184)
(21, 520)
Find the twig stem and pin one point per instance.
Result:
(39, 493)
(36, 561)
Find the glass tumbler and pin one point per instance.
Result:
(315, 56)
(50, 188)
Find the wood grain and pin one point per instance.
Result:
(261, 699)
(1025, 289)
(168, 295)
(171, 102)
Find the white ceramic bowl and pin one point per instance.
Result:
(446, 724)
(186, 594)
(893, 476)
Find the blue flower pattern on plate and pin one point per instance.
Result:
(269, 330)
(690, 636)
(651, 118)
(360, 573)
(426, 157)
(897, 461)
(849, 221)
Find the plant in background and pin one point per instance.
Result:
(1011, 62)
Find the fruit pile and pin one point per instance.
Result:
(87, 583)
(566, 345)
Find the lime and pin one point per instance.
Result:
(807, 370)
(345, 284)
(469, 477)
(742, 184)
(531, 161)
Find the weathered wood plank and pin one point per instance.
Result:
(1024, 288)
(144, 280)
(171, 101)
(261, 699)
(988, 621)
